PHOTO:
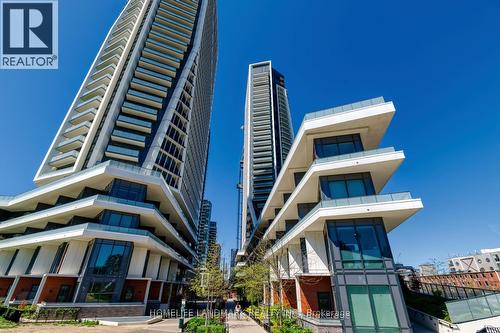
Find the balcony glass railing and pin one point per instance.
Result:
(127, 135)
(123, 151)
(101, 227)
(345, 108)
(117, 164)
(351, 202)
(354, 155)
(153, 74)
(140, 108)
(134, 121)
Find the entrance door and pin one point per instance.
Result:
(325, 301)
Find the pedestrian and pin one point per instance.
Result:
(238, 310)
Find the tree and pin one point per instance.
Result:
(263, 269)
(208, 281)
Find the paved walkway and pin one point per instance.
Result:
(244, 325)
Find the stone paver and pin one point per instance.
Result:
(244, 325)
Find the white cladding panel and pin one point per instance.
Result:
(137, 262)
(5, 258)
(172, 273)
(165, 264)
(294, 259)
(153, 265)
(73, 258)
(44, 259)
(21, 262)
(316, 252)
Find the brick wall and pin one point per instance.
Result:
(483, 280)
(111, 311)
(52, 286)
(309, 288)
(5, 284)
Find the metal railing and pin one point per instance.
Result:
(344, 108)
(474, 308)
(448, 291)
(354, 155)
(348, 202)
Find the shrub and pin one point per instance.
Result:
(11, 314)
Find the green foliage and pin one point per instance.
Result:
(252, 278)
(433, 305)
(10, 314)
(4, 323)
(289, 323)
(208, 278)
(197, 325)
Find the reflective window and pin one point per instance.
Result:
(372, 308)
(346, 186)
(101, 291)
(362, 243)
(338, 145)
(120, 219)
(108, 257)
(128, 190)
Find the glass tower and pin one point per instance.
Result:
(113, 221)
(267, 139)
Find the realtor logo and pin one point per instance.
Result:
(29, 34)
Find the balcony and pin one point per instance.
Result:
(140, 97)
(161, 56)
(152, 76)
(149, 87)
(122, 153)
(64, 159)
(98, 91)
(79, 129)
(101, 81)
(128, 138)
(393, 208)
(157, 66)
(92, 103)
(87, 116)
(139, 110)
(71, 144)
(93, 230)
(134, 124)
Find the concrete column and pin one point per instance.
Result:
(297, 293)
(146, 294)
(40, 288)
(11, 291)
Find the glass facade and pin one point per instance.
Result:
(372, 309)
(105, 272)
(362, 243)
(337, 145)
(128, 190)
(346, 186)
(118, 219)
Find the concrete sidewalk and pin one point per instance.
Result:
(244, 325)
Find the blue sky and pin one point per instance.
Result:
(438, 61)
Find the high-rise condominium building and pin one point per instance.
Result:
(324, 224)
(115, 214)
(203, 230)
(212, 234)
(268, 137)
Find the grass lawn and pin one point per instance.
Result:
(4, 323)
